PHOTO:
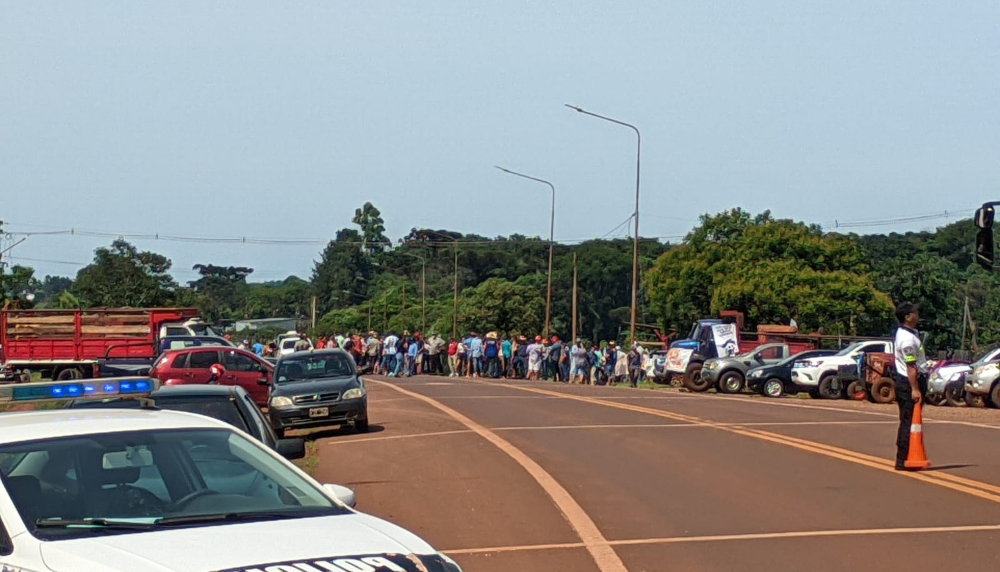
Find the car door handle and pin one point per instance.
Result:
(189, 374)
(231, 376)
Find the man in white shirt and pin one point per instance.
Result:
(910, 379)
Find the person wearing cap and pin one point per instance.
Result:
(910, 377)
(435, 353)
(491, 355)
(557, 360)
(519, 365)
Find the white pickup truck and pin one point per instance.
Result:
(818, 376)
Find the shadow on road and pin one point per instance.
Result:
(946, 467)
(341, 431)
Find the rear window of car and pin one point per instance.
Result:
(220, 407)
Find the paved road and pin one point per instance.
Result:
(512, 476)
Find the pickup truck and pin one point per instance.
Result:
(729, 373)
(818, 376)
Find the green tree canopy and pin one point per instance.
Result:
(771, 270)
(123, 276)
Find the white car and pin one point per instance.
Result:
(126, 490)
(818, 375)
(288, 345)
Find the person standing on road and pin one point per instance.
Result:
(581, 363)
(491, 351)
(536, 352)
(476, 355)
(506, 350)
(389, 347)
(433, 360)
(452, 357)
(910, 377)
(521, 359)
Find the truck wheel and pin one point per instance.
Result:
(830, 387)
(69, 373)
(856, 390)
(883, 391)
(772, 388)
(731, 382)
(24, 378)
(693, 380)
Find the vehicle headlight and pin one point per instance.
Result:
(281, 401)
(757, 373)
(356, 393)
(710, 365)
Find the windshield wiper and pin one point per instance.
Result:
(223, 517)
(92, 523)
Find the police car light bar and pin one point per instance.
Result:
(100, 388)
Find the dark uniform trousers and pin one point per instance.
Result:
(904, 399)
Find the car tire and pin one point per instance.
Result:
(773, 387)
(976, 400)
(883, 391)
(935, 399)
(693, 380)
(857, 391)
(361, 425)
(954, 395)
(830, 387)
(731, 382)
(995, 395)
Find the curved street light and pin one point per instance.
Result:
(552, 227)
(635, 248)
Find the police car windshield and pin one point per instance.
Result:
(127, 482)
(317, 365)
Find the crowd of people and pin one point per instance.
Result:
(484, 356)
(492, 356)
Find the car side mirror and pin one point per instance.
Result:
(291, 449)
(343, 494)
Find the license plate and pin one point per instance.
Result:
(319, 412)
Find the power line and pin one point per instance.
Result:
(900, 220)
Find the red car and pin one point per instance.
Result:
(193, 365)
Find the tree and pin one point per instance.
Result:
(771, 270)
(342, 273)
(19, 284)
(221, 291)
(373, 238)
(504, 306)
(123, 276)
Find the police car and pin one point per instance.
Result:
(130, 490)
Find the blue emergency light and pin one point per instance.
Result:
(69, 390)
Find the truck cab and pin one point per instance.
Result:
(193, 327)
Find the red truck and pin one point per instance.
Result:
(72, 344)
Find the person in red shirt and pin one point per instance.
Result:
(453, 357)
(321, 343)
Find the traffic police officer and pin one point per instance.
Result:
(910, 379)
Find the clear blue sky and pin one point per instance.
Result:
(279, 119)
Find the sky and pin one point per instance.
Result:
(277, 120)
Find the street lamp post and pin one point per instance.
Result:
(635, 247)
(423, 288)
(552, 228)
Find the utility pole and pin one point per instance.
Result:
(965, 320)
(314, 312)
(370, 316)
(574, 298)
(385, 315)
(454, 314)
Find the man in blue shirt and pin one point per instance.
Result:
(258, 348)
(476, 349)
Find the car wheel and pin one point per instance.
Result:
(954, 395)
(856, 390)
(693, 380)
(361, 425)
(977, 400)
(773, 388)
(935, 399)
(731, 382)
(995, 395)
(883, 391)
(830, 387)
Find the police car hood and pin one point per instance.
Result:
(243, 547)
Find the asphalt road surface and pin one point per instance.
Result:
(524, 477)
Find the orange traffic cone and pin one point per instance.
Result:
(917, 457)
